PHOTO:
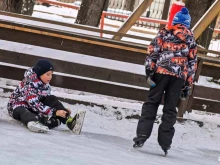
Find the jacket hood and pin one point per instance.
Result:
(181, 32)
(30, 75)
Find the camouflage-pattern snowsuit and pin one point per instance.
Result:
(29, 93)
(173, 52)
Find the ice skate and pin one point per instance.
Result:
(75, 123)
(71, 122)
(139, 141)
(165, 149)
(36, 126)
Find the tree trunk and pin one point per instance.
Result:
(197, 9)
(13, 6)
(165, 12)
(18, 6)
(106, 5)
(28, 7)
(90, 12)
(129, 5)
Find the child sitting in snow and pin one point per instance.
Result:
(175, 8)
(32, 102)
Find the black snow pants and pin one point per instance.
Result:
(172, 87)
(24, 115)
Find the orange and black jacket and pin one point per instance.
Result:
(173, 52)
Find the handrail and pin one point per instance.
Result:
(104, 13)
(110, 14)
(59, 4)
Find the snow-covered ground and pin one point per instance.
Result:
(105, 139)
(214, 45)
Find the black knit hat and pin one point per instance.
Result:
(42, 66)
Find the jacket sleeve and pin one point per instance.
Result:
(192, 63)
(153, 52)
(33, 100)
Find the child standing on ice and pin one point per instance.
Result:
(32, 102)
(175, 8)
(170, 67)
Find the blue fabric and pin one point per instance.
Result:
(182, 17)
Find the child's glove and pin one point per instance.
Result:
(184, 93)
(151, 82)
(149, 75)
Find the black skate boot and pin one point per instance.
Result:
(165, 149)
(49, 122)
(71, 122)
(139, 141)
(42, 118)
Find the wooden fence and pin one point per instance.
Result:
(93, 79)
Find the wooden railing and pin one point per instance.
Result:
(104, 14)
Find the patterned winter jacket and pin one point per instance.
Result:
(28, 94)
(173, 52)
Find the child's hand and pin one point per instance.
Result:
(68, 110)
(61, 113)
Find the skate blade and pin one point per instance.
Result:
(138, 145)
(79, 122)
(165, 153)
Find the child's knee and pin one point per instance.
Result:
(17, 112)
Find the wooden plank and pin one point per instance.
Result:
(76, 37)
(76, 26)
(208, 93)
(98, 30)
(102, 50)
(76, 69)
(79, 45)
(206, 105)
(210, 71)
(104, 88)
(133, 18)
(188, 104)
(205, 51)
(66, 100)
(85, 70)
(201, 105)
(199, 69)
(72, 36)
(81, 84)
(182, 107)
(207, 18)
(166, 8)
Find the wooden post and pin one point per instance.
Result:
(185, 105)
(207, 18)
(165, 12)
(133, 18)
(198, 71)
(181, 107)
